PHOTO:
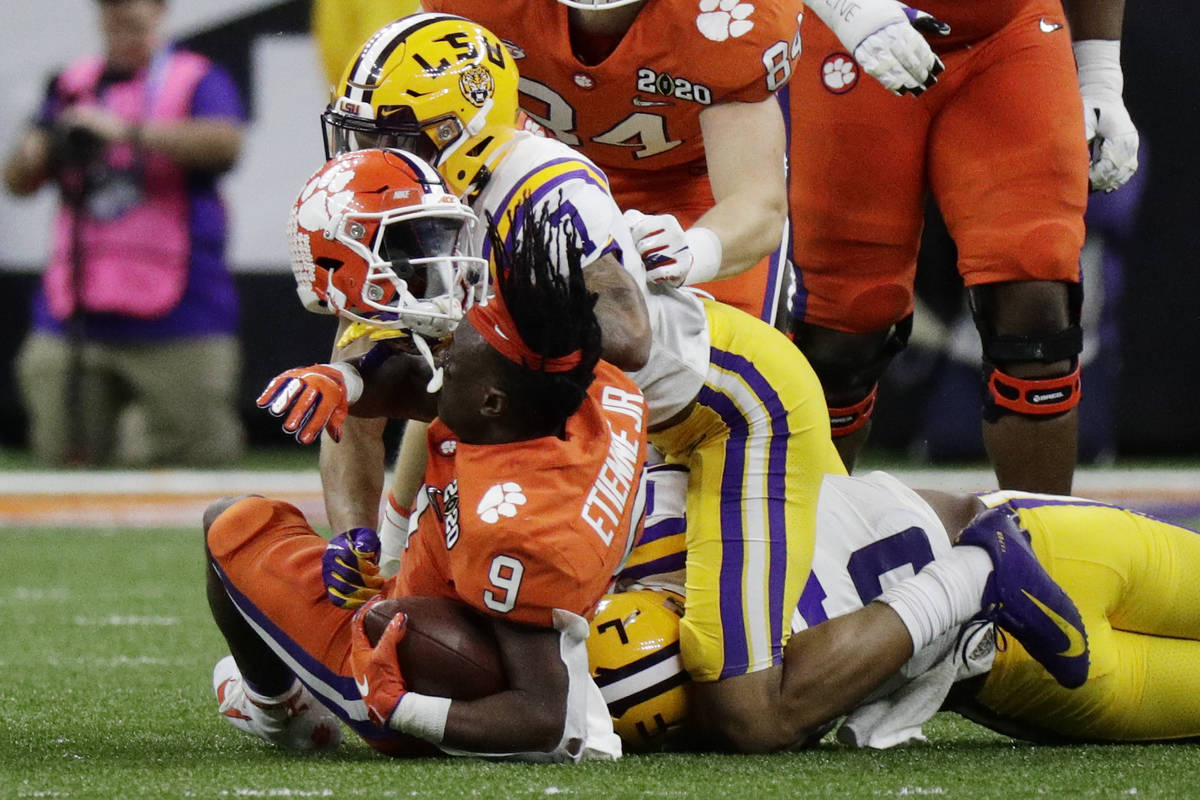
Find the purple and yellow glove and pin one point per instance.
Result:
(350, 568)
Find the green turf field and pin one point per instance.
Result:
(107, 658)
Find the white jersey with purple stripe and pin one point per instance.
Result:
(552, 174)
(872, 532)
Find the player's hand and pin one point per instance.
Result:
(350, 568)
(377, 669)
(314, 398)
(1111, 136)
(661, 243)
(887, 42)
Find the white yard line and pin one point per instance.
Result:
(169, 498)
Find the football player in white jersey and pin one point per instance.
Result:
(1130, 576)
(728, 397)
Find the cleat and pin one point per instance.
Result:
(297, 723)
(1025, 601)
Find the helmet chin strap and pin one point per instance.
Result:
(479, 120)
(435, 382)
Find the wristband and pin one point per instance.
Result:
(853, 22)
(1098, 62)
(354, 381)
(706, 250)
(393, 537)
(421, 715)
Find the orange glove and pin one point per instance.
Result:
(317, 397)
(377, 669)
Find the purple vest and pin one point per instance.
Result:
(137, 264)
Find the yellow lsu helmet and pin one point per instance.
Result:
(437, 85)
(633, 652)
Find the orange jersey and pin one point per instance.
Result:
(640, 107)
(863, 162)
(974, 20)
(518, 530)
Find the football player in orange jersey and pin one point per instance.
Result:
(1002, 144)
(724, 397)
(674, 100)
(531, 497)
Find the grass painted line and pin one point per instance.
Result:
(168, 498)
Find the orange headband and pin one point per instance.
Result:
(498, 329)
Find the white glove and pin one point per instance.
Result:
(1111, 136)
(885, 38)
(674, 257)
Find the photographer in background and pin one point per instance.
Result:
(137, 305)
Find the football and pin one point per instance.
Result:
(449, 649)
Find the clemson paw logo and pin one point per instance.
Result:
(723, 19)
(839, 73)
(500, 501)
(325, 197)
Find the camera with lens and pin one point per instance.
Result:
(106, 191)
(74, 145)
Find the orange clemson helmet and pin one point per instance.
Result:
(374, 237)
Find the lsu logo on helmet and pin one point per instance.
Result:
(477, 85)
(633, 651)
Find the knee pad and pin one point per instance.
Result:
(845, 420)
(1005, 393)
(851, 383)
(1029, 397)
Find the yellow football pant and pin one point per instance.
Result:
(757, 445)
(1136, 581)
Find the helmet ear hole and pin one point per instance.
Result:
(481, 146)
(325, 262)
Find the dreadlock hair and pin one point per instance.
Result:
(539, 275)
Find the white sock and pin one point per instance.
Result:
(942, 596)
(267, 701)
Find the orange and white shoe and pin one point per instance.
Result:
(298, 722)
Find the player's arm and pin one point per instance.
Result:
(352, 474)
(1096, 31)
(955, 510)
(1095, 19)
(537, 696)
(621, 312)
(352, 470)
(827, 671)
(531, 720)
(352, 467)
(746, 172)
(747, 177)
(620, 307)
